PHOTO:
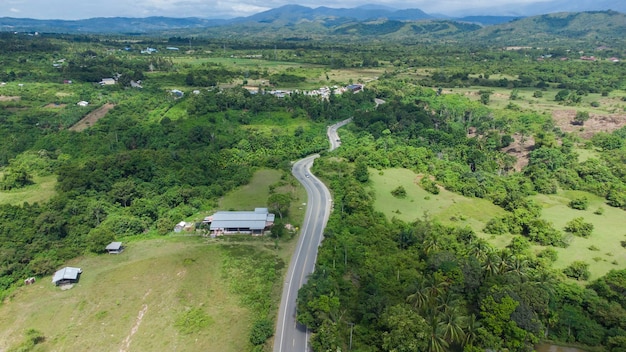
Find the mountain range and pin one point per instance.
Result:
(295, 22)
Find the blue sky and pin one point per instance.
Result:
(80, 9)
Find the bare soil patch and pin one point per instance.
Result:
(55, 106)
(596, 123)
(92, 118)
(9, 98)
(520, 150)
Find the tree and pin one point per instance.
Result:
(399, 192)
(578, 270)
(404, 330)
(360, 171)
(279, 202)
(579, 203)
(581, 117)
(578, 227)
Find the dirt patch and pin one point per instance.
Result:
(520, 150)
(9, 98)
(55, 106)
(62, 94)
(92, 117)
(596, 123)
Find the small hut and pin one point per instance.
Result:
(67, 275)
(115, 248)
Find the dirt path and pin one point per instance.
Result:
(142, 312)
(92, 117)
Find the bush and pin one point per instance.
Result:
(577, 270)
(579, 203)
(496, 226)
(595, 104)
(429, 185)
(538, 94)
(579, 227)
(262, 330)
(192, 321)
(599, 211)
(399, 192)
(548, 253)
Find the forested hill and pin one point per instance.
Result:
(609, 26)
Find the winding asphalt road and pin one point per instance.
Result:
(291, 336)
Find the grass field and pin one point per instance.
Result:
(609, 230)
(131, 302)
(451, 208)
(140, 300)
(41, 191)
(446, 207)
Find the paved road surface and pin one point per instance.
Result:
(290, 336)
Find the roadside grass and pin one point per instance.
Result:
(40, 192)
(609, 231)
(447, 207)
(132, 301)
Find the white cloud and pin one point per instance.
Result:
(14, 10)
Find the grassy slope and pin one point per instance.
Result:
(168, 275)
(451, 208)
(41, 191)
(161, 277)
(609, 230)
(447, 207)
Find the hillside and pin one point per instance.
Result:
(603, 27)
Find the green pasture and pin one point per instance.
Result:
(39, 192)
(138, 300)
(446, 207)
(586, 154)
(609, 231)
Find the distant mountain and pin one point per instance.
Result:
(601, 27)
(543, 7)
(106, 24)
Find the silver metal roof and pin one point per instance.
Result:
(113, 246)
(67, 273)
(254, 220)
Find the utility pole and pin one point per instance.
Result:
(351, 328)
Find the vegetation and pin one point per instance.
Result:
(461, 202)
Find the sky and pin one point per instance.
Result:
(81, 9)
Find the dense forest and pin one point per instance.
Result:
(381, 284)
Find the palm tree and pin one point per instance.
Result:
(471, 330)
(436, 339)
(421, 297)
(492, 264)
(453, 324)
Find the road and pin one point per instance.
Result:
(291, 336)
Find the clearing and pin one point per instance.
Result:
(141, 296)
(41, 191)
(91, 118)
(596, 123)
(609, 230)
(446, 207)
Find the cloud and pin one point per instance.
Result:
(71, 9)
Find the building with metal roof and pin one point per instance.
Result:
(229, 222)
(67, 275)
(115, 248)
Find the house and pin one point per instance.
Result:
(115, 248)
(614, 59)
(107, 81)
(82, 103)
(177, 93)
(354, 88)
(67, 275)
(135, 84)
(172, 48)
(229, 222)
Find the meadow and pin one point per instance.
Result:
(173, 292)
(41, 191)
(606, 252)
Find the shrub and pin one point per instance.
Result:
(593, 248)
(548, 253)
(429, 185)
(537, 94)
(577, 270)
(599, 211)
(399, 192)
(595, 104)
(579, 227)
(262, 330)
(579, 203)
